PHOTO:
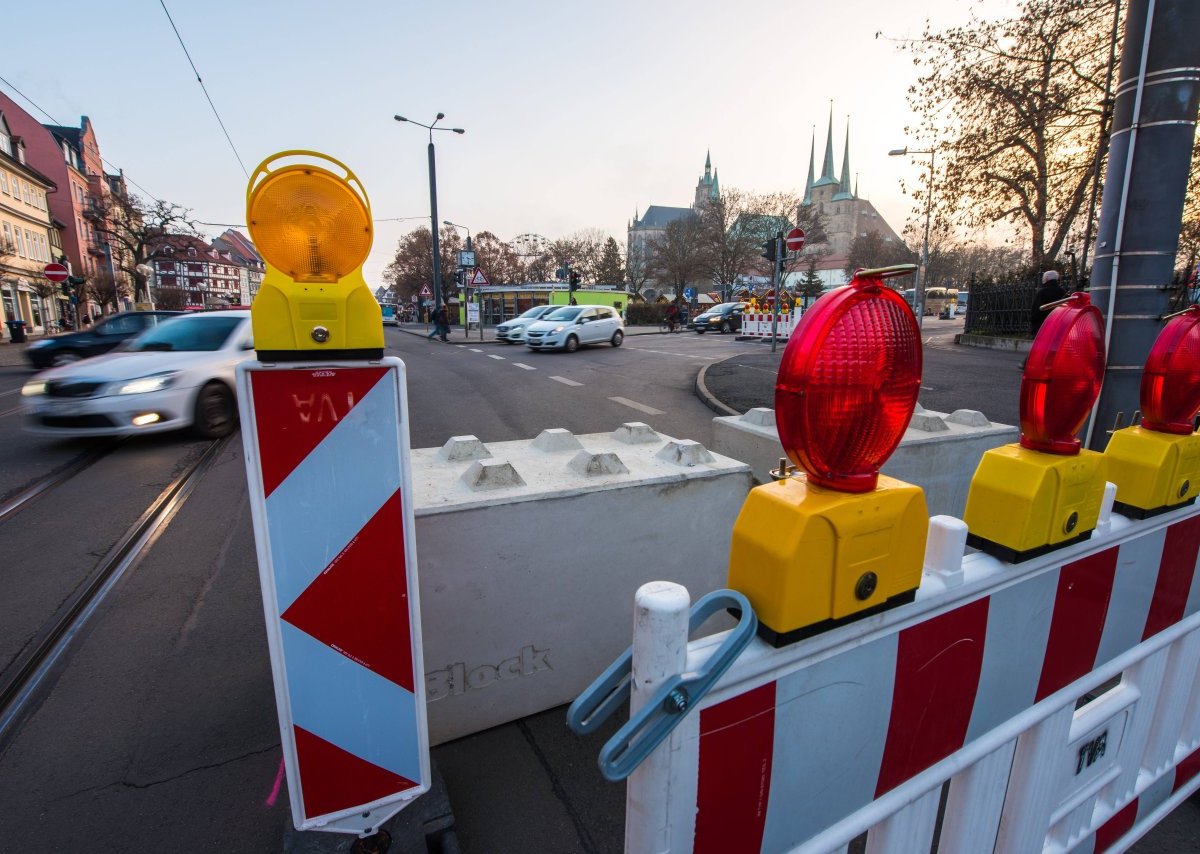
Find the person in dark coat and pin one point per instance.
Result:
(442, 323)
(1050, 291)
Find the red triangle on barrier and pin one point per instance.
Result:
(359, 604)
(331, 779)
(294, 410)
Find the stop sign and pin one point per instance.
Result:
(795, 240)
(55, 272)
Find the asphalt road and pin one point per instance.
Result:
(157, 729)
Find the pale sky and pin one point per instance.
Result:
(576, 114)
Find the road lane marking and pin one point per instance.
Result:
(565, 381)
(501, 358)
(474, 349)
(640, 407)
(524, 367)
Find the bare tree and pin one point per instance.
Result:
(679, 255)
(134, 229)
(107, 290)
(1015, 110)
(637, 267)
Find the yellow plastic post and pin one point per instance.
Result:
(310, 219)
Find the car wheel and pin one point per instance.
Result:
(699, 331)
(572, 344)
(726, 327)
(617, 338)
(66, 357)
(215, 413)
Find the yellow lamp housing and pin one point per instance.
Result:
(1023, 503)
(310, 219)
(1154, 472)
(810, 558)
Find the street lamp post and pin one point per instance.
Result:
(433, 220)
(919, 291)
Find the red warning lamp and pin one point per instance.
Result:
(1171, 382)
(1062, 377)
(849, 381)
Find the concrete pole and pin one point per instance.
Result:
(1154, 122)
(433, 227)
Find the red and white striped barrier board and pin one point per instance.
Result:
(759, 325)
(330, 487)
(976, 683)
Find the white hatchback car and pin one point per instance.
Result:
(178, 374)
(567, 327)
(513, 331)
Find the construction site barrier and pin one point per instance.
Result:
(1052, 705)
(759, 325)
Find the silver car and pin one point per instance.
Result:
(513, 331)
(567, 327)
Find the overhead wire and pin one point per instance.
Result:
(204, 89)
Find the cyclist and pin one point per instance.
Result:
(672, 317)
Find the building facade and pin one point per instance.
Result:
(844, 214)
(207, 276)
(643, 230)
(251, 268)
(29, 239)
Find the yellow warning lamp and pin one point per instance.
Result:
(1044, 492)
(310, 219)
(814, 551)
(1156, 464)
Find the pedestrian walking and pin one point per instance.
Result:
(1050, 291)
(442, 324)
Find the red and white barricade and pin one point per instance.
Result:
(330, 493)
(759, 325)
(1058, 698)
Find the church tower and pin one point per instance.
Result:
(707, 188)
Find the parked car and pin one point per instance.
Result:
(178, 374)
(725, 317)
(391, 317)
(567, 327)
(513, 331)
(99, 338)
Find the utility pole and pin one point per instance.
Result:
(776, 281)
(1150, 150)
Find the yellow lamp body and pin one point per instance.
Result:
(810, 558)
(310, 219)
(1024, 503)
(1154, 472)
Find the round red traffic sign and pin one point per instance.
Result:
(795, 240)
(55, 272)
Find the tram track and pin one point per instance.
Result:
(56, 478)
(21, 681)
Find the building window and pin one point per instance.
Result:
(4, 182)
(17, 242)
(5, 142)
(8, 241)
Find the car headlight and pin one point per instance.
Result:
(143, 385)
(40, 343)
(557, 330)
(33, 387)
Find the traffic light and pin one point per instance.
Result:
(769, 250)
(573, 281)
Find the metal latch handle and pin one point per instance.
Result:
(677, 696)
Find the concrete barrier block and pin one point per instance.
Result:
(928, 422)
(556, 439)
(492, 474)
(636, 433)
(590, 465)
(525, 589)
(968, 418)
(684, 452)
(760, 415)
(458, 448)
(941, 462)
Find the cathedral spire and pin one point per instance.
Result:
(827, 176)
(715, 191)
(843, 193)
(708, 165)
(812, 159)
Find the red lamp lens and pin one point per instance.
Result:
(1171, 381)
(1062, 377)
(848, 383)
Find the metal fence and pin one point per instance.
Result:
(1000, 308)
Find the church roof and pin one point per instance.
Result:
(812, 154)
(827, 176)
(843, 193)
(657, 216)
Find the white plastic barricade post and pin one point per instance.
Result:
(1059, 698)
(330, 487)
